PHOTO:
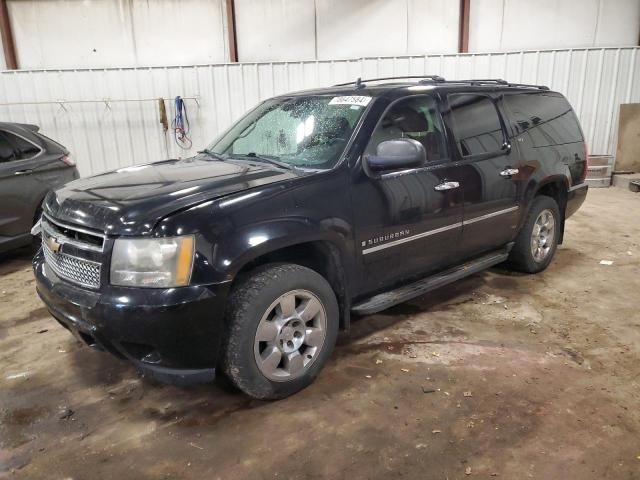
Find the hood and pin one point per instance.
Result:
(131, 200)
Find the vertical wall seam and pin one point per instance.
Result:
(612, 98)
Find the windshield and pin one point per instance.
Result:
(307, 132)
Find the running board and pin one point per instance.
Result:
(388, 299)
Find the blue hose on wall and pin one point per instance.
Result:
(180, 124)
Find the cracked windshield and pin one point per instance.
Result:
(304, 132)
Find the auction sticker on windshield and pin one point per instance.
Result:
(359, 100)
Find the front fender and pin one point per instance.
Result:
(235, 230)
(253, 241)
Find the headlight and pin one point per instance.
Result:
(153, 262)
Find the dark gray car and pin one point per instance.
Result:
(30, 166)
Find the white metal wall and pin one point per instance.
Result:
(134, 33)
(269, 30)
(105, 133)
(496, 25)
(108, 33)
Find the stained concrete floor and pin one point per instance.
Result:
(526, 377)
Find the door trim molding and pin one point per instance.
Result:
(411, 238)
(438, 230)
(491, 215)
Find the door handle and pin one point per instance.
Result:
(509, 172)
(23, 172)
(446, 186)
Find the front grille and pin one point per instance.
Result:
(77, 236)
(73, 268)
(76, 270)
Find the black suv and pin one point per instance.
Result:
(250, 256)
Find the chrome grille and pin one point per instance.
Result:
(76, 270)
(76, 236)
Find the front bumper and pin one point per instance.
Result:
(173, 335)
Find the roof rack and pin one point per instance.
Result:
(359, 83)
(526, 85)
(472, 81)
(498, 81)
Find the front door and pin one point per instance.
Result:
(489, 170)
(408, 223)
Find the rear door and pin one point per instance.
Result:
(491, 183)
(548, 133)
(22, 183)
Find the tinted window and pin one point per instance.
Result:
(476, 124)
(16, 148)
(7, 153)
(24, 149)
(417, 118)
(548, 118)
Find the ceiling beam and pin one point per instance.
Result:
(463, 33)
(231, 30)
(6, 33)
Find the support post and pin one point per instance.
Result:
(463, 34)
(6, 33)
(231, 30)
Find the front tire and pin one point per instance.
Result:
(537, 241)
(282, 325)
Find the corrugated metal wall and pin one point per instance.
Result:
(109, 118)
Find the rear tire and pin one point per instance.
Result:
(537, 240)
(282, 325)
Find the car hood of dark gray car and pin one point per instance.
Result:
(132, 200)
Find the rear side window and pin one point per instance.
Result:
(546, 117)
(476, 124)
(24, 149)
(13, 147)
(417, 118)
(7, 153)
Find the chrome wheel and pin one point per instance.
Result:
(290, 335)
(543, 235)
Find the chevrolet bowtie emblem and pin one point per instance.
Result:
(53, 244)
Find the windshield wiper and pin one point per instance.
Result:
(212, 154)
(263, 158)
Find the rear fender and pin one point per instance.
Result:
(556, 187)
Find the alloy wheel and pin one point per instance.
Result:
(543, 235)
(290, 335)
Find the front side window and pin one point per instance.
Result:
(476, 124)
(417, 118)
(302, 131)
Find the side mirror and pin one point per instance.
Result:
(397, 154)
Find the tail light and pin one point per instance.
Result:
(585, 152)
(69, 160)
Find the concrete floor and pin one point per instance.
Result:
(530, 377)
